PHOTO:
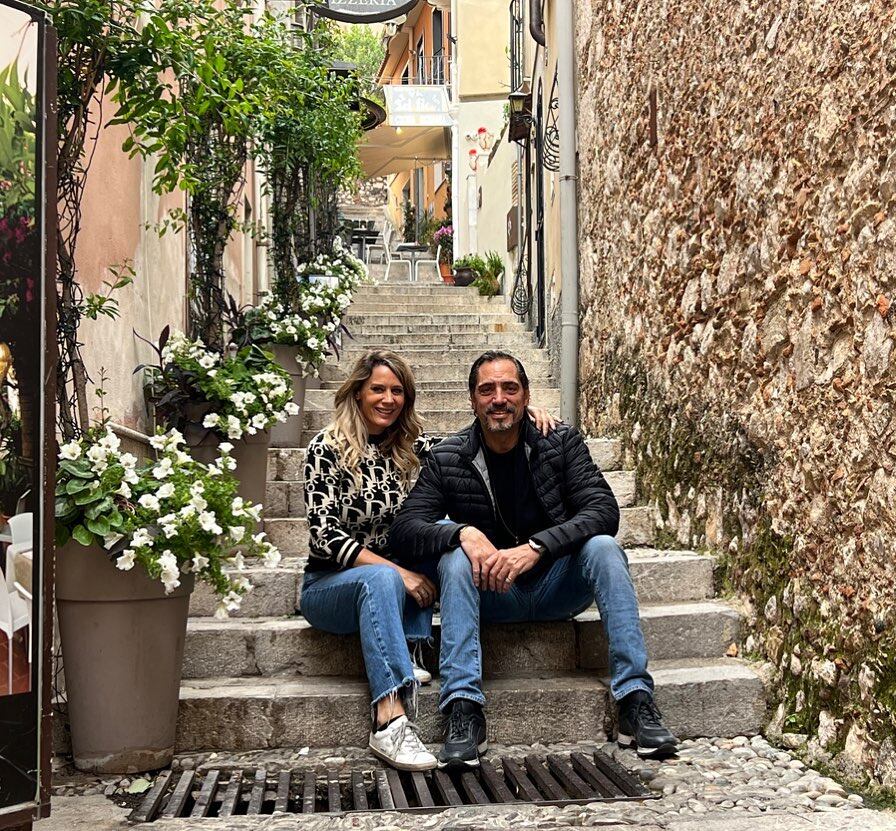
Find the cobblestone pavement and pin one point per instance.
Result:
(736, 784)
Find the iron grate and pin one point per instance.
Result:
(542, 780)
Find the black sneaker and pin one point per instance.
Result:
(465, 738)
(640, 727)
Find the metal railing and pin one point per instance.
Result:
(426, 70)
(516, 44)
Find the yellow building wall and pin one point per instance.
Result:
(483, 35)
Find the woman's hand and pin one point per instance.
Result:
(544, 421)
(421, 588)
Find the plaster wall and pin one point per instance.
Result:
(738, 253)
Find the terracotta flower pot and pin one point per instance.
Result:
(289, 432)
(251, 455)
(122, 647)
(445, 271)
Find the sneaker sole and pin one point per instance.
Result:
(397, 765)
(663, 750)
(464, 764)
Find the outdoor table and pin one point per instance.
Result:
(413, 250)
(364, 237)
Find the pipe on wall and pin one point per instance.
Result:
(536, 22)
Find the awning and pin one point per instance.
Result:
(387, 150)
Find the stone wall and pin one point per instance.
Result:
(738, 266)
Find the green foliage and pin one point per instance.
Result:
(360, 45)
(18, 132)
(104, 303)
(427, 227)
(409, 219)
(473, 261)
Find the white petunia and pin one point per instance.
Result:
(166, 491)
(127, 460)
(142, 538)
(163, 469)
(207, 361)
(271, 557)
(238, 506)
(200, 562)
(70, 451)
(237, 532)
(187, 511)
(239, 562)
(170, 574)
(149, 501)
(124, 489)
(211, 420)
(225, 447)
(209, 522)
(110, 539)
(126, 561)
(158, 442)
(292, 408)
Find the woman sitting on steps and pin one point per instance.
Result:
(358, 472)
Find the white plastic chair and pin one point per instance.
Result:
(392, 258)
(10, 623)
(21, 529)
(434, 262)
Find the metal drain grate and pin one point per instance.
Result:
(542, 780)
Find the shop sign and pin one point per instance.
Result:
(364, 11)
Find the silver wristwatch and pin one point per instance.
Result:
(537, 547)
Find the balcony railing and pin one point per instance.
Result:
(423, 70)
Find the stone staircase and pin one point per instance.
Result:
(265, 679)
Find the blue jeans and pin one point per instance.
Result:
(598, 573)
(371, 600)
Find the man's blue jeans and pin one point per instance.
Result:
(598, 573)
(371, 600)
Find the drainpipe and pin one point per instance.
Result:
(569, 221)
(536, 22)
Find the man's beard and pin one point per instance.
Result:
(501, 426)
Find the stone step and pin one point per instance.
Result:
(285, 464)
(432, 294)
(372, 328)
(411, 341)
(457, 370)
(286, 499)
(411, 321)
(439, 399)
(637, 527)
(705, 698)
(435, 422)
(531, 356)
(292, 647)
(435, 305)
(659, 577)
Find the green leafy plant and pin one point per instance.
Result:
(361, 46)
(170, 516)
(233, 394)
(409, 219)
(488, 282)
(473, 261)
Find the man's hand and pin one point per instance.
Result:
(505, 565)
(420, 587)
(478, 549)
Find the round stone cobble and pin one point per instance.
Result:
(742, 777)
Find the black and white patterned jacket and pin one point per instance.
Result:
(342, 518)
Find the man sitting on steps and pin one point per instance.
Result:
(529, 536)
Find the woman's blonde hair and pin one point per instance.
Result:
(348, 434)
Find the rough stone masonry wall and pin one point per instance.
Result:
(738, 270)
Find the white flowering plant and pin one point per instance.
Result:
(170, 516)
(233, 394)
(307, 310)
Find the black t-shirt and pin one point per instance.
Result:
(519, 511)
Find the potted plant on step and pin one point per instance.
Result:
(443, 242)
(212, 397)
(132, 538)
(467, 269)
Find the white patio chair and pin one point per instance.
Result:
(391, 257)
(20, 598)
(434, 262)
(21, 529)
(10, 623)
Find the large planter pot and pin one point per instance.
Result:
(464, 276)
(122, 649)
(251, 456)
(445, 271)
(289, 432)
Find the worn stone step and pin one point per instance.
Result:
(659, 577)
(286, 463)
(706, 698)
(412, 320)
(439, 399)
(286, 499)
(292, 647)
(412, 341)
(637, 527)
(411, 290)
(376, 303)
(373, 327)
(531, 356)
(456, 370)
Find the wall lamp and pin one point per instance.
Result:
(520, 114)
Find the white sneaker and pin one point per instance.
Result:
(399, 744)
(422, 675)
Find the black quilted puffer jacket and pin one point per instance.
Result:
(454, 483)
